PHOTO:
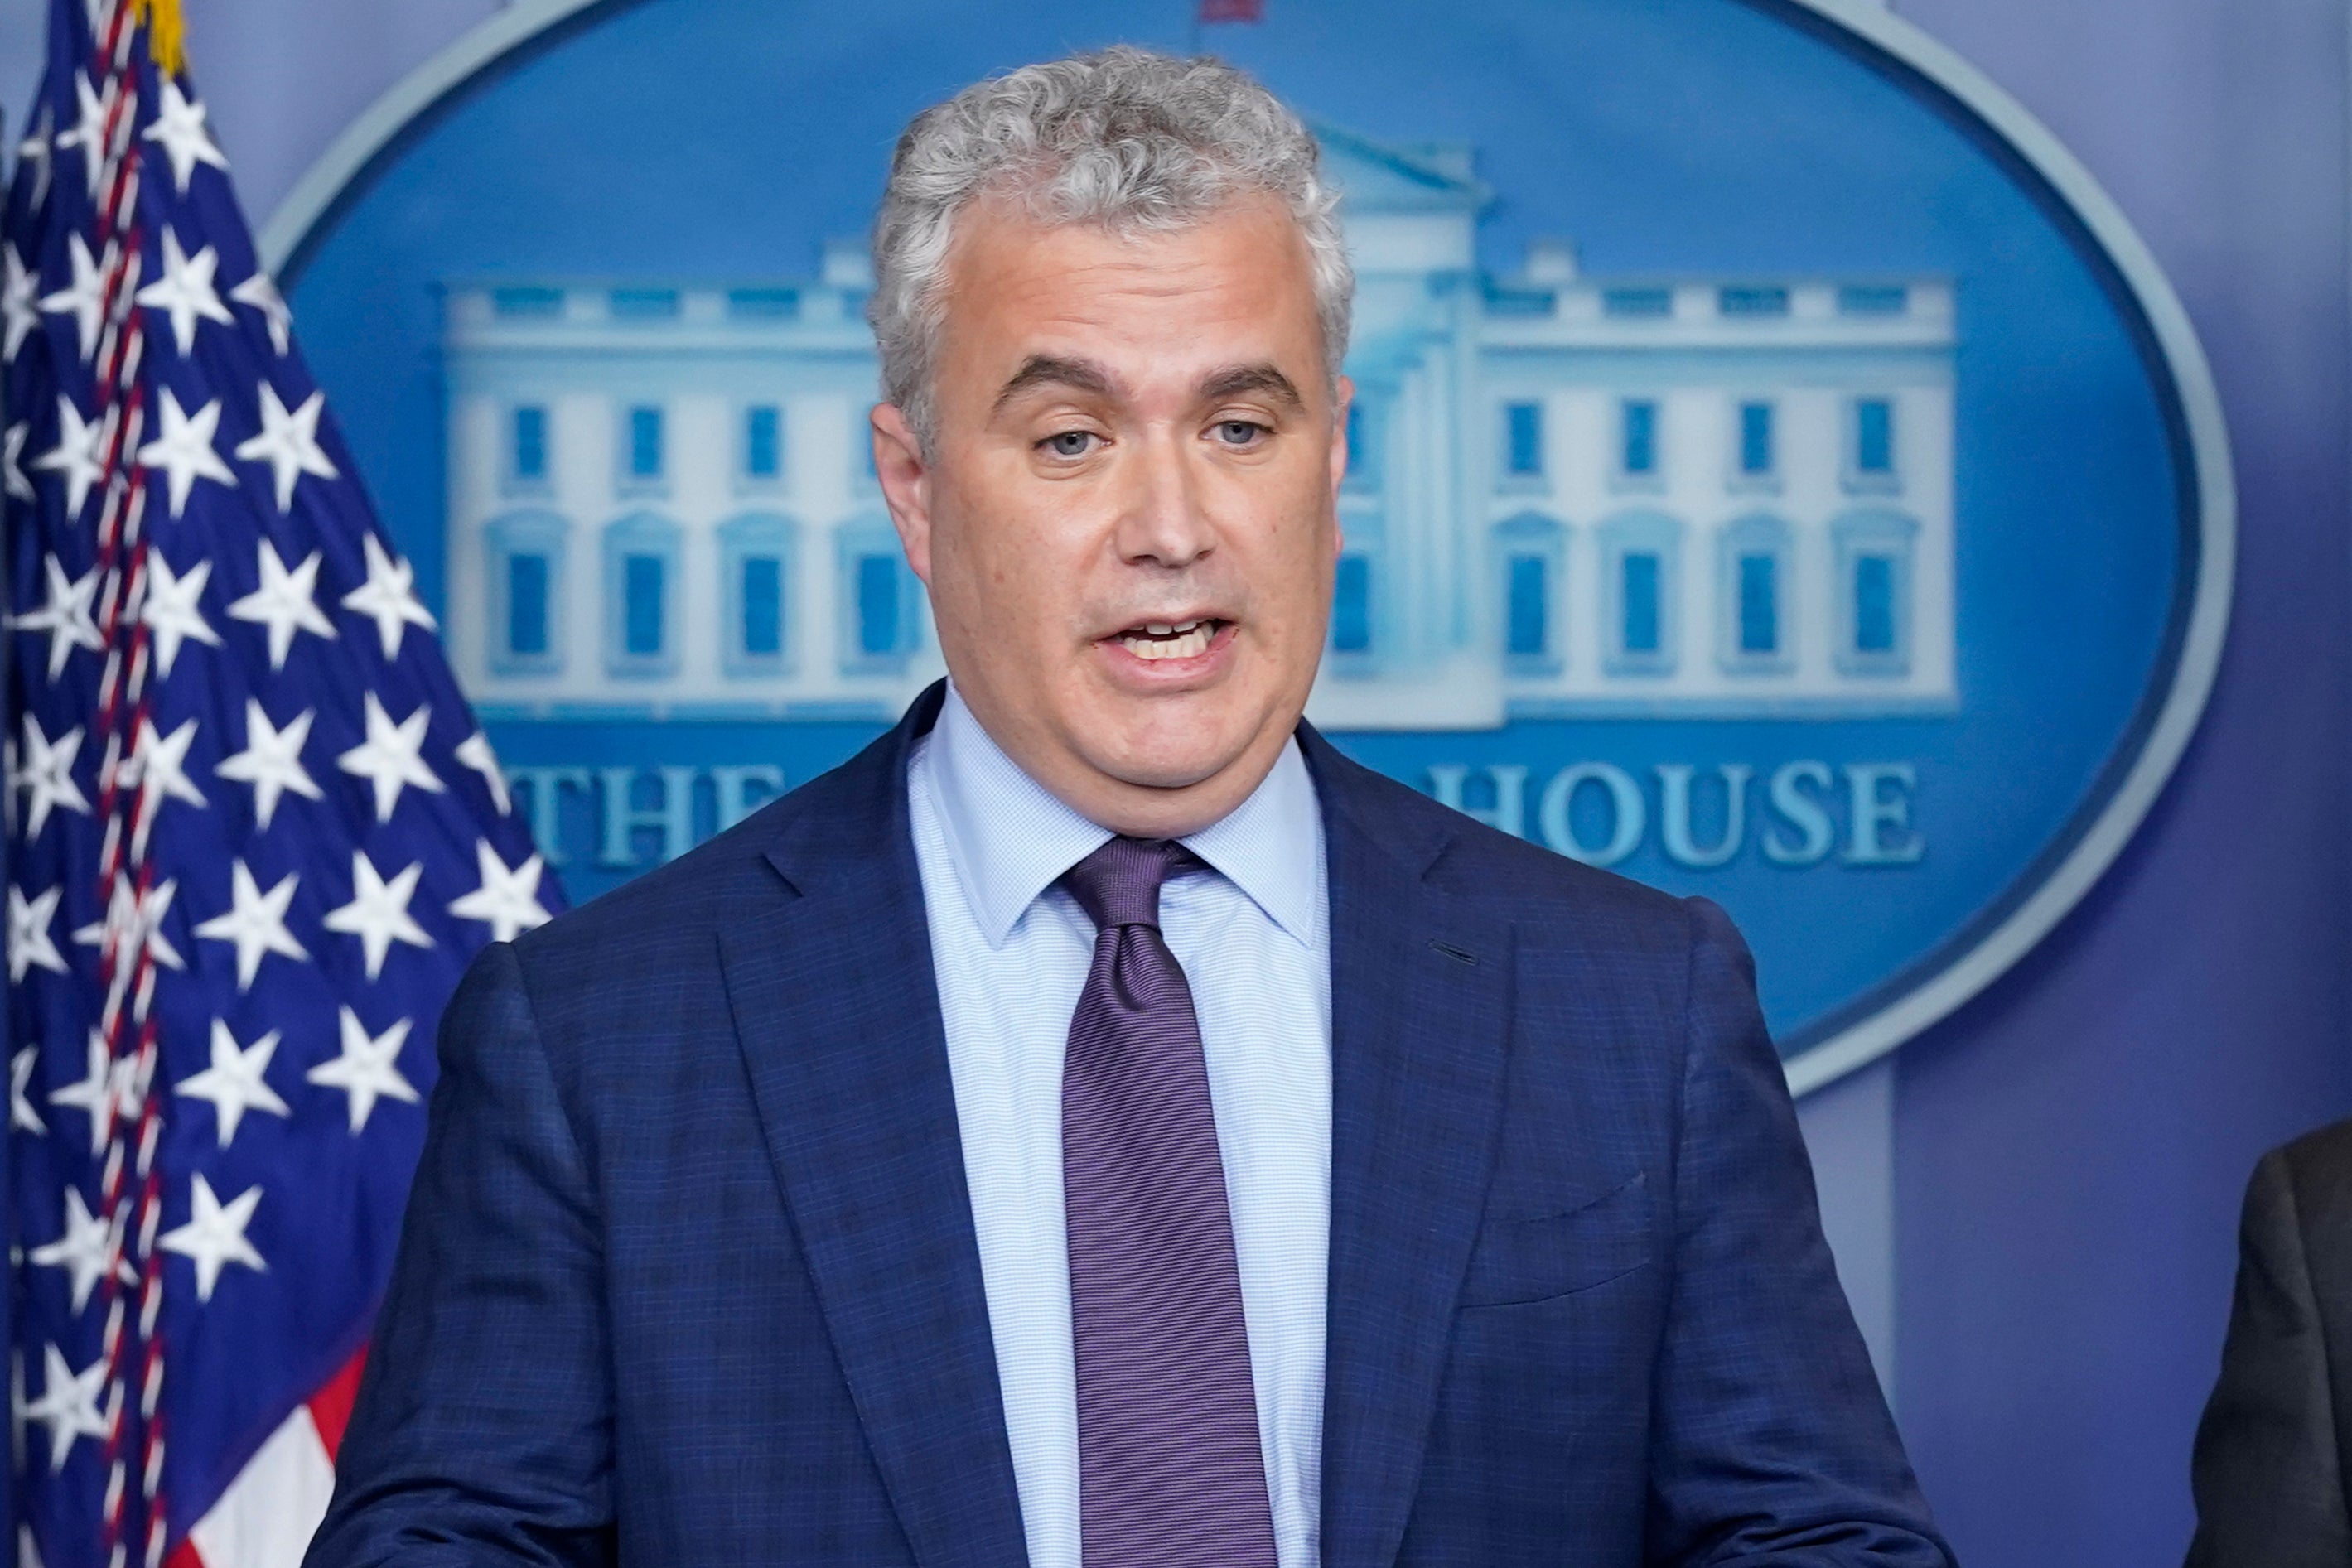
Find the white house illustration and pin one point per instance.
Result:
(1726, 496)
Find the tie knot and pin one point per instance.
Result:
(1118, 884)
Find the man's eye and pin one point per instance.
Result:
(1239, 432)
(1071, 443)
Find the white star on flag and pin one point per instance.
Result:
(23, 1116)
(391, 755)
(475, 752)
(29, 942)
(68, 1404)
(388, 597)
(185, 291)
(256, 922)
(171, 611)
(20, 293)
(75, 454)
(88, 1250)
(180, 127)
(288, 443)
(378, 913)
(88, 132)
(367, 1069)
(507, 901)
(234, 1083)
(286, 602)
(104, 1092)
(34, 149)
(12, 462)
(184, 451)
(271, 761)
(135, 922)
(261, 293)
(46, 775)
(157, 768)
(66, 617)
(214, 1235)
(84, 298)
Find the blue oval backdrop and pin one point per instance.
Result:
(1778, 476)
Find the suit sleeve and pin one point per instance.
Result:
(483, 1429)
(2265, 1471)
(1771, 1442)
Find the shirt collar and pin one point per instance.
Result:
(1010, 838)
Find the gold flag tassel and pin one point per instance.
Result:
(166, 34)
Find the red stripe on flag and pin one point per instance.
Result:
(331, 1407)
(1232, 10)
(184, 1555)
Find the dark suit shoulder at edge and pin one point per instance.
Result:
(2317, 1168)
(704, 881)
(1482, 864)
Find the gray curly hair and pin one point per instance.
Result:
(1134, 140)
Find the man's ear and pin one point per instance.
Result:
(1343, 397)
(905, 480)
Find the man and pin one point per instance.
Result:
(1101, 1123)
(2268, 1469)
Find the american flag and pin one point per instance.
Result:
(255, 837)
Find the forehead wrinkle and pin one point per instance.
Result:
(1057, 370)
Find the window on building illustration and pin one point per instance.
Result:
(1754, 301)
(527, 302)
(1874, 604)
(524, 615)
(645, 443)
(1641, 571)
(1523, 440)
(1638, 430)
(527, 447)
(527, 585)
(1351, 606)
(1755, 440)
(641, 611)
(877, 604)
(755, 554)
(1874, 438)
(1759, 604)
(645, 304)
(1637, 302)
(762, 304)
(764, 443)
(1872, 299)
(763, 588)
(641, 615)
(1527, 607)
(1641, 602)
(1873, 552)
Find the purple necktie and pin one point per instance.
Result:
(1170, 1474)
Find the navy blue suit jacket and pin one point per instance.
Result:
(690, 1277)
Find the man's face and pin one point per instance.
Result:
(1126, 521)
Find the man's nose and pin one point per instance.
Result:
(1163, 522)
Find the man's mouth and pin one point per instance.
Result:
(1171, 639)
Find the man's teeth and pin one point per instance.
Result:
(1170, 639)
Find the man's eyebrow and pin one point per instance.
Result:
(1051, 369)
(1259, 378)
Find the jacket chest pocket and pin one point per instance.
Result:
(1601, 1240)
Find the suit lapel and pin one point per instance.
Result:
(1420, 996)
(835, 1001)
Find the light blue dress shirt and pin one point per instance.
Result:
(1010, 951)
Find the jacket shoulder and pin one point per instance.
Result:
(636, 923)
(1508, 876)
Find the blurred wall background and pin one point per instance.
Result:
(2036, 1201)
